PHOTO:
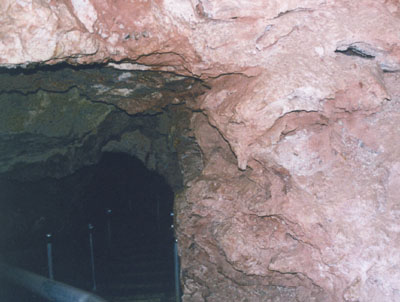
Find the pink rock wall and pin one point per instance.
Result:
(298, 199)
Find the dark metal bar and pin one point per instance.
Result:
(50, 256)
(177, 281)
(176, 267)
(91, 227)
(158, 215)
(108, 214)
(49, 289)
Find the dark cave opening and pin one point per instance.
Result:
(137, 231)
(137, 197)
(78, 141)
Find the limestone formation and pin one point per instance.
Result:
(292, 192)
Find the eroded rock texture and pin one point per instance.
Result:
(297, 200)
(53, 121)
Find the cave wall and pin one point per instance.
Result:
(54, 120)
(57, 122)
(298, 133)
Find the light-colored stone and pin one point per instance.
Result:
(38, 31)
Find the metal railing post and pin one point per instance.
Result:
(50, 256)
(91, 227)
(108, 213)
(176, 265)
(158, 215)
(176, 268)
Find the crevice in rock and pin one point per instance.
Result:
(296, 10)
(386, 59)
(134, 91)
(355, 50)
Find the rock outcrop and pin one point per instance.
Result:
(298, 132)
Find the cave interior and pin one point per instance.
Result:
(94, 147)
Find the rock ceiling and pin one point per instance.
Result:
(62, 117)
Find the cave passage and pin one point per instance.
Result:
(133, 245)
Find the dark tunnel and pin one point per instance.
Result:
(130, 210)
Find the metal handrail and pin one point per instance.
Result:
(48, 289)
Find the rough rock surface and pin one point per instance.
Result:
(299, 134)
(55, 120)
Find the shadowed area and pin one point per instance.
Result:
(133, 242)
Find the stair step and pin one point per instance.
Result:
(125, 290)
(144, 298)
(132, 299)
(139, 257)
(141, 276)
(164, 278)
(138, 266)
(122, 262)
(120, 284)
(137, 270)
(156, 252)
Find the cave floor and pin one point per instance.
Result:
(136, 265)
